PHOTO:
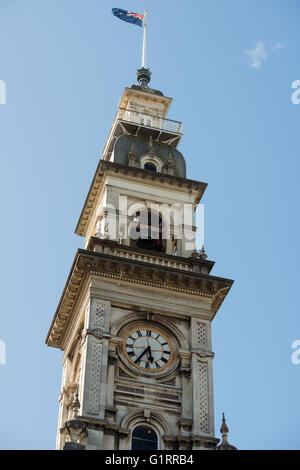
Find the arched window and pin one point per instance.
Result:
(144, 438)
(149, 232)
(150, 167)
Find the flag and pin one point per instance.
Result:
(128, 16)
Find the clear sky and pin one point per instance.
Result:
(229, 66)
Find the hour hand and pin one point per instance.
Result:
(141, 355)
(150, 357)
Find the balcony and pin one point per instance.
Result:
(148, 120)
(136, 123)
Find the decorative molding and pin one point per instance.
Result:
(135, 272)
(99, 315)
(112, 247)
(201, 333)
(185, 423)
(143, 391)
(98, 333)
(218, 298)
(190, 442)
(204, 441)
(203, 396)
(105, 167)
(115, 341)
(204, 354)
(94, 386)
(123, 374)
(156, 418)
(184, 354)
(170, 382)
(105, 425)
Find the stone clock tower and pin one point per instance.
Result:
(134, 318)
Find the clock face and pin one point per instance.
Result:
(148, 349)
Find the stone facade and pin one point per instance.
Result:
(115, 287)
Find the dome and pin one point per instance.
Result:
(145, 150)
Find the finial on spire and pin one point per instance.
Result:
(143, 76)
(203, 255)
(224, 431)
(199, 254)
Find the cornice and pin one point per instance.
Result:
(88, 263)
(104, 168)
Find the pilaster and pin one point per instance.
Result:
(95, 358)
(203, 411)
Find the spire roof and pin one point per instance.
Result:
(224, 431)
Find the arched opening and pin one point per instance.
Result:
(150, 166)
(144, 438)
(147, 232)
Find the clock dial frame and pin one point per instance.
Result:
(148, 349)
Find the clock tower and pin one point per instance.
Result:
(134, 319)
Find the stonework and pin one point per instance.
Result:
(124, 301)
(94, 386)
(203, 396)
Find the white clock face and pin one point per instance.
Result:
(148, 349)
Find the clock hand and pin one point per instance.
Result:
(150, 357)
(142, 354)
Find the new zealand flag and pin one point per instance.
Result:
(128, 16)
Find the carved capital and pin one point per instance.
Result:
(98, 333)
(74, 430)
(204, 353)
(112, 358)
(185, 372)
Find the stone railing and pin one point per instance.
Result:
(159, 260)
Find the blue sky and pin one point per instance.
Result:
(229, 66)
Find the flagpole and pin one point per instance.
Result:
(144, 39)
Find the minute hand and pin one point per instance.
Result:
(141, 355)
